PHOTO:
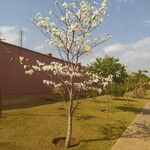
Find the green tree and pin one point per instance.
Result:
(138, 82)
(109, 65)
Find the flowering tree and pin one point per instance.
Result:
(69, 30)
(69, 79)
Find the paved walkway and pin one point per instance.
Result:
(137, 135)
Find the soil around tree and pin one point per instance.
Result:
(60, 142)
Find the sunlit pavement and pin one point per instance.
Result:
(137, 135)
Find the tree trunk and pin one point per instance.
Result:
(70, 119)
(128, 98)
(127, 93)
(69, 130)
(107, 104)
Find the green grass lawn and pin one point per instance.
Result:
(32, 122)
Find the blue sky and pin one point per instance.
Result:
(128, 21)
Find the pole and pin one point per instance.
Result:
(20, 34)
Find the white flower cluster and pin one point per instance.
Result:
(86, 87)
(55, 67)
(69, 75)
(36, 68)
(94, 83)
(40, 63)
(77, 20)
(51, 83)
(63, 70)
(21, 59)
(29, 72)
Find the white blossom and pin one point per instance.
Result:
(78, 21)
(29, 72)
(71, 34)
(64, 72)
(25, 66)
(36, 68)
(21, 58)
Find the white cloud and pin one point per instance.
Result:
(142, 45)
(10, 34)
(43, 48)
(39, 47)
(147, 22)
(115, 48)
(136, 54)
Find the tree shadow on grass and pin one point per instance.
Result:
(138, 130)
(114, 132)
(98, 101)
(146, 98)
(124, 99)
(20, 102)
(29, 115)
(130, 108)
(145, 111)
(108, 132)
(85, 117)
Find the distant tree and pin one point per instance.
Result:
(110, 65)
(117, 89)
(138, 82)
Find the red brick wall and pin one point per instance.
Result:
(13, 80)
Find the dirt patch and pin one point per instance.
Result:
(60, 142)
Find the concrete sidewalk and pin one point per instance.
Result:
(137, 135)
